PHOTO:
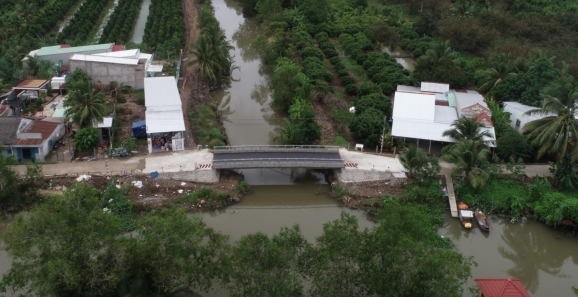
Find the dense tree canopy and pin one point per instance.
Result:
(83, 243)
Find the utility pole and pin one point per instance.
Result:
(383, 134)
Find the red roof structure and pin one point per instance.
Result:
(117, 47)
(46, 128)
(65, 45)
(501, 287)
(485, 120)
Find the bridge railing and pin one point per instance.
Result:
(278, 162)
(275, 148)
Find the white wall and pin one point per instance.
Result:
(55, 136)
(517, 114)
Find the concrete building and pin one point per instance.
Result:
(518, 118)
(60, 54)
(426, 113)
(165, 123)
(29, 140)
(128, 67)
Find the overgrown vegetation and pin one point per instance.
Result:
(205, 125)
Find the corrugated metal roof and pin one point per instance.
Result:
(31, 84)
(417, 106)
(44, 127)
(155, 68)
(502, 287)
(102, 59)
(28, 141)
(410, 128)
(52, 50)
(134, 53)
(434, 87)
(163, 105)
(164, 121)
(452, 99)
(445, 114)
(161, 91)
(8, 129)
(106, 123)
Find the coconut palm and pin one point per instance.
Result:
(556, 132)
(85, 105)
(469, 156)
(439, 53)
(463, 9)
(212, 54)
(412, 159)
(467, 129)
(501, 66)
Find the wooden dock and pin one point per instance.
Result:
(451, 196)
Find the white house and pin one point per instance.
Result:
(165, 123)
(518, 118)
(425, 113)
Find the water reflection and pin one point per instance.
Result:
(244, 36)
(531, 253)
(544, 259)
(260, 93)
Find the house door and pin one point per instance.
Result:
(26, 154)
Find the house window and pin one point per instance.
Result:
(518, 123)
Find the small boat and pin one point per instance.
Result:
(481, 220)
(466, 215)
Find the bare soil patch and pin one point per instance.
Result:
(154, 193)
(189, 81)
(325, 121)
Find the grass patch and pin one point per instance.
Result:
(206, 125)
(352, 66)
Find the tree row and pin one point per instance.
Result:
(121, 23)
(164, 29)
(83, 22)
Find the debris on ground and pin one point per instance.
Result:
(83, 178)
(137, 183)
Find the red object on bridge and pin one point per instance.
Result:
(501, 287)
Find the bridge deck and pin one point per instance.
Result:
(277, 159)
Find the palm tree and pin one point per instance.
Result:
(557, 131)
(297, 108)
(469, 156)
(467, 129)
(86, 105)
(439, 53)
(212, 54)
(412, 159)
(501, 66)
(463, 9)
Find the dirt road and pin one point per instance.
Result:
(188, 77)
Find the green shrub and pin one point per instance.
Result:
(311, 52)
(315, 69)
(373, 100)
(335, 60)
(342, 73)
(205, 125)
(347, 80)
(340, 141)
(351, 90)
(243, 187)
(86, 139)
